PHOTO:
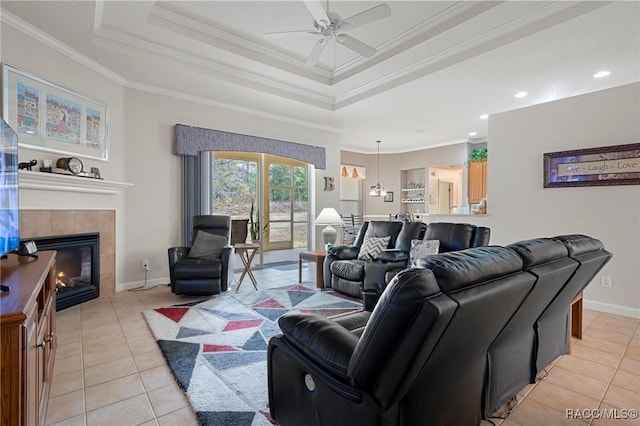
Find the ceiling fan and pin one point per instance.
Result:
(329, 25)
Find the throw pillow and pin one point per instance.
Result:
(371, 246)
(207, 246)
(422, 248)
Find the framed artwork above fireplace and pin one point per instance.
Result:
(49, 117)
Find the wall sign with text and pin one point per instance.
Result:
(609, 165)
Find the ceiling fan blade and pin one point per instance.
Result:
(286, 34)
(317, 50)
(362, 18)
(318, 12)
(356, 45)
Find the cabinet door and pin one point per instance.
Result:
(46, 352)
(476, 189)
(30, 369)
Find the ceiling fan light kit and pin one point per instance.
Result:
(329, 25)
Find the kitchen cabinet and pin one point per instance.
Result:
(27, 337)
(477, 181)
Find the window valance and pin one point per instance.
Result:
(191, 140)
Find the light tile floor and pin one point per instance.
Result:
(109, 370)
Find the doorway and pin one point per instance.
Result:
(445, 196)
(278, 189)
(286, 204)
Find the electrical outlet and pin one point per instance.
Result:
(605, 282)
(145, 264)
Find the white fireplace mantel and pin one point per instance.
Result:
(57, 182)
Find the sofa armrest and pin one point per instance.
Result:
(392, 255)
(226, 276)
(323, 340)
(344, 252)
(375, 272)
(177, 253)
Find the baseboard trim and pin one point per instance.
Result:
(610, 308)
(139, 284)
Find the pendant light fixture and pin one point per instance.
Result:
(378, 190)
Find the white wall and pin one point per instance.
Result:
(153, 205)
(520, 208)
(36, 57)
(147, 215)
(392, 164)
(141, 141)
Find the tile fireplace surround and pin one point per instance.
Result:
(46, 223)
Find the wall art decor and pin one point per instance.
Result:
(49, 117)
(609, 165)
(389, 197)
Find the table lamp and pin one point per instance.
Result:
(329, 216)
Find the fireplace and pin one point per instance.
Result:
(77, 267)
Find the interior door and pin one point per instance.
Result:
(445, 196)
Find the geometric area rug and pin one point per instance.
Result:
(217, 348)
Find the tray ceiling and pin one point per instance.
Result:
(438, 65)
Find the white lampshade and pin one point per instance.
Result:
(329, 216)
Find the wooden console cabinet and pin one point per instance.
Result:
(27, 337)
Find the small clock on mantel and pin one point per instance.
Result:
(71, 164)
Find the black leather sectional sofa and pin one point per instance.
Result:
(448, 343)
(344, 272)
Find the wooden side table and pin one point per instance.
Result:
(576, 319)
(247, 252)
(313, 256)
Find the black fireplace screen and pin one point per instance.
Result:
(77, 267)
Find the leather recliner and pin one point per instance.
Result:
(202, 276)
(428, 355)
(419, 360)
(452, 237)
(512, 354)
(344, 272)
(552, 327)
(539, 330)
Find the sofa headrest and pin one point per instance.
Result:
(452, 236)
(461, 269)
(539, 250)
(578, 244)
(213, 224)
(410, 231)
(384, 229)
(404, 315)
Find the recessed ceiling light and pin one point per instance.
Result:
(419, 131)
(484, 116)
(521, 94)
(601, 74)
(473, 133)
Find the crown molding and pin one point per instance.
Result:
(544, 17)
(46, 39)
(192, 28)
(161, 91)
(131, 45)
(49, 41)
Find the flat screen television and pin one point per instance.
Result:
(9, 212)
